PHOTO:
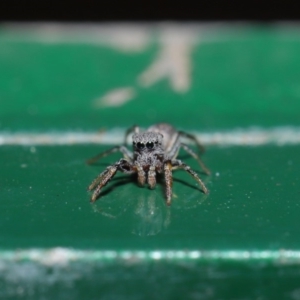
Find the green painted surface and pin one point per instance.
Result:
(252, 203)
(235, 76)
(242, 78)
(154, 281)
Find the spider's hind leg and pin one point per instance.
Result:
(194, 139)
(196, 156)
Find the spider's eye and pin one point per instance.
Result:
(140, 145)
(150, 145)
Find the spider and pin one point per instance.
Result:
(154, 151)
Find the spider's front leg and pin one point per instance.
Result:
(122, 165)
(127, 154)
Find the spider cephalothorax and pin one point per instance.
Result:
(148, 150)
(147, 140)
(154, 151)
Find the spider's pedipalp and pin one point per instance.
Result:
(152, 177)
(141, 175)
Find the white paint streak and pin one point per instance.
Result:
(239, 137)
(123, 37)
(116, 97)
(173, 60)
(64, 256)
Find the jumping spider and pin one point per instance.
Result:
(154, 151)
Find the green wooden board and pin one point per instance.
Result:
(234, 86)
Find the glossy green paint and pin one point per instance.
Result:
(150, 281)
(241, 78)
(252, 202)
(252, 206)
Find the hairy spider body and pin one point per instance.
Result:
(154, 151)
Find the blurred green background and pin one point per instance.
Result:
(239, 242)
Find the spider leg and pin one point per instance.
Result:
(127, 154)
(152, 177)
(134, 128)
(169, 181)
(194, 155)
(176, 163)
(194, 139)
(124, 167)
(96, 181)
(175, 149)
(101, 180)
